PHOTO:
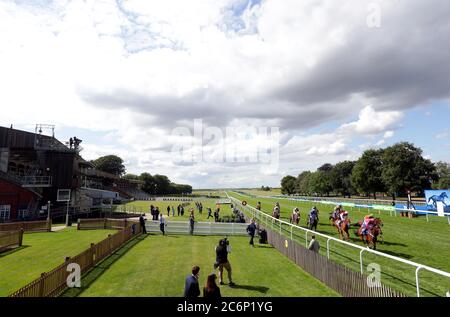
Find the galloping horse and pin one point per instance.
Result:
(295, 218)
(313, 219)
(343, 229)
(276, 213)
(371, 238)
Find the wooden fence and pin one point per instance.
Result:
(104, 223)
(27, 226)
(53, 283)
(10, 239)
(343, 280)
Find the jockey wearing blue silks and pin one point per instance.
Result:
(313, 214)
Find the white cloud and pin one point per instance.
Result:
(136, 69)
(388, 134)
(442, 135)
(372, 122)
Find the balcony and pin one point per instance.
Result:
(36, 181)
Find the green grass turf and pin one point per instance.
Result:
(157, 266)
(144, 206)
(41, 252)
(413, 239)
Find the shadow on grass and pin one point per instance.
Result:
(14, 250)
(97, 271)
(264, 246)
(260, 289)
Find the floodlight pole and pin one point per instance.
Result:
(48, 210)
(67, 214)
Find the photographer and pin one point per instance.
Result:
(222, 251)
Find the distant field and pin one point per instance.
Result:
(41, 252)
(158, 265)
(412, 239)
(144, 206)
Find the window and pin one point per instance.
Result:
(5, 211)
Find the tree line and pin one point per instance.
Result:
(152, 184)
(394, 170)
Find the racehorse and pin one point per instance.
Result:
(276, 214)
(312, 222)
(343, 229)
(436, 198)
(295, 218)
(371, 238)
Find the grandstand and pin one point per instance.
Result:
(35, 166)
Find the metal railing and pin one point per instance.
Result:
(392, 210)
(267, 219)
(36, 181)
(200, 228)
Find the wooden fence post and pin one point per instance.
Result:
(20, 237)
(93, 254)
(109, 243)
(104, 224)
(41, 285)
(78, 224)
(49, 225)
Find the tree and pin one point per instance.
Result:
(162, 184)
(149, 183)
(319, 183)
(132, 177)
(110, 164)
(404, 168)
(366, 173)
(302, 183)
(288, 185)
(341, 178)
(443, 173)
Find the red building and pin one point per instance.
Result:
(15, 200)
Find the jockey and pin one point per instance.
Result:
(367, 224)
(313, 214)
(341, 217)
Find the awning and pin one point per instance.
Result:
(99, 193)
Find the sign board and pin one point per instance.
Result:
(383, 207)
(63, 195)
(438, 200)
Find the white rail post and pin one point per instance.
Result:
(291, 232)
(417, 280)
(328, 248)
(306, 238)
(448, 219)
(427, 217)
(361, 260)
(280, 228)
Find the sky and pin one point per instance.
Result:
(229, 93)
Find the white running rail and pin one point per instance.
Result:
(269, 219)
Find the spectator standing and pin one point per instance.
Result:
(168, 211)
(314, 245)
(162, 224)
(173, 211)
(152, 212)
(209, 213)
(251, 229)
(211, 290)
(182, 211)
(142, 223)
(179, 210)
(191, 223)
(191, 288)
(157, 213)
(222, 260)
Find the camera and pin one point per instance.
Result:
(225, 241)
